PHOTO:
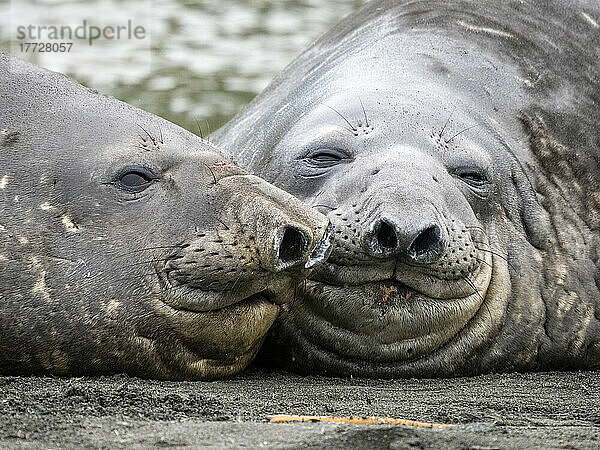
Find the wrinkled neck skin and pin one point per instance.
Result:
(403, 121)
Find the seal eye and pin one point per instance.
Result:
(137, 179)
(134, 180)
(472, 177)
(325, 158)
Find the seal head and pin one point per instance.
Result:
(454, 146)
(130, 245)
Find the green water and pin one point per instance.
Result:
(199, 61)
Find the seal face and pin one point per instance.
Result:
(454, 146)
(129, 245)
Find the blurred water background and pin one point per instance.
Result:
(200, 61)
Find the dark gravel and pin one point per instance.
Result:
(548, 410)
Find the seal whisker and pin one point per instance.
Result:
(483, 262)
(364, 112)
(149, 135)
(142, 147)
(472, 285)
(474, 227)
(347, 129)
(324, 206)
(461, 132)
(484, 243)
(446, 124)
(153, 261)
(232, 289)
(199, 128)
(208, 128)
(483, 302)
(496, 254)
(481, 231)
(211, 172)
(354, 129)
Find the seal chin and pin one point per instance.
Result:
(218, 343)
(385, 322)
(216, 369)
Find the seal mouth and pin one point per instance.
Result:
(380, 322)
(184, 297)
(401, 279)
(250, 300)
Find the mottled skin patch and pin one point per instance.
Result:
(179, 278)
(475, 189)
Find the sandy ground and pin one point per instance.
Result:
(548, 410)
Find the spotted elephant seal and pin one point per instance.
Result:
(455, 147)
(128, 244)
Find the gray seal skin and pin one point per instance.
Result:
(127, 244)
(455, 147)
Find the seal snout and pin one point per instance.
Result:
(420, 243)
(286, 241)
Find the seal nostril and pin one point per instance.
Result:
(386, 235)
(291, 247)
(427, 245)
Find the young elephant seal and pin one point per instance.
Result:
(128, 245)
(455, 146)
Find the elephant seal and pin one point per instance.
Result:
(455, 146)
(128, 244)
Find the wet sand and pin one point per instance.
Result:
(548, 410)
